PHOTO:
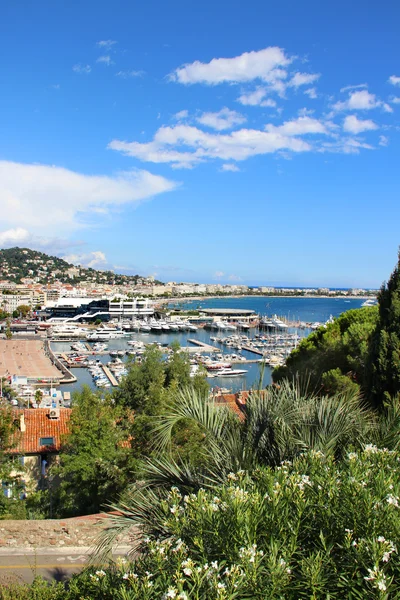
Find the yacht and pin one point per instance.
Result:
(370, 302)
(155, 326)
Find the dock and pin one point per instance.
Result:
(110, 376)
(253, 350)
(203, 347)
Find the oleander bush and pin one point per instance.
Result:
(312, 529)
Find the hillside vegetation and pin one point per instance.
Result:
(20, 263)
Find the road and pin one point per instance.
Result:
(54, 564)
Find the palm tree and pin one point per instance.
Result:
(278, 424)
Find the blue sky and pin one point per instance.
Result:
(253, 142)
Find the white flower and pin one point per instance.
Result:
(172, 593)
(183, 596)
(187, 571)
(174, 509)
(351, 455)
(370, 449)
(380, 539)
(386, 557)
(392, 500)
(100, 573)
(371, 575)
(221, 586)
(93, 577)
(214, 564)
(381, 585)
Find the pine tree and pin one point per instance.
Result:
(384, 359)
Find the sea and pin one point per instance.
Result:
(292, 308)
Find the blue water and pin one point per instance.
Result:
(295, 309)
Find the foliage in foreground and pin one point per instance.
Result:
(311, 529)
(335, 357)
(384, 359)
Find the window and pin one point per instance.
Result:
(46, 441)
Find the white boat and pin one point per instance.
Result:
(370, 302)
(229, 373)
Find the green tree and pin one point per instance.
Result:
(96, 460)
(22, 310)
(334, 353)
(143, 388)
(384, 357)
(8, 431)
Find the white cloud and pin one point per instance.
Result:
(42, 197)
(394, 100)
(256, 98)
(182, 114)
(82, 69)
(383, 140)
(394, 80)
(218, 274)
(224, 119)
(230, 167)
(299, 79)
(234, 278)
(94, 259)
(311, 93)
(300, 126)
(10, 237)
(354, 125)
(305, 112)
(267, 64)
(106, 44)
(21, 237)
(362, 100)
(345, 146)
(129, 74)
(105, 60)
(166, 146)
(347, 88)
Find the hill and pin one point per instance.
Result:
(17, 264)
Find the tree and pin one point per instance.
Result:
(22, 310)
(8, 431)
(279, 423)
(384, 356)
(96, 461)
(333, 354)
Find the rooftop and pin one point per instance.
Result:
(38, 427)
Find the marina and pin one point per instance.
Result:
(234, 354)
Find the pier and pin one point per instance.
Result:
(203, 347)
(253, 350)
(110, 376)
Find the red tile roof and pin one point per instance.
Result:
(234, 402)
(39, 425)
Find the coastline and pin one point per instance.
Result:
(180, 299)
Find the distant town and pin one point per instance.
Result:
(38, 281)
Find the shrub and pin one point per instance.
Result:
(309, 530)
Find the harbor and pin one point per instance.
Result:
(233, 347)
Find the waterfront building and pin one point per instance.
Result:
(90, 310)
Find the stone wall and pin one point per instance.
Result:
(80, 531)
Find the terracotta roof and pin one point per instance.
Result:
(38, 425)
(233, 402)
